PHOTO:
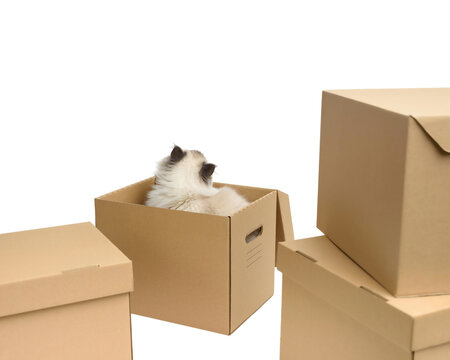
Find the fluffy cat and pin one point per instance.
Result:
(184, 182)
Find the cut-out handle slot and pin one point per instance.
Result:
(254, 234)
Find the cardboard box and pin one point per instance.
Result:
(205, 271)
(332, 309)
(64, 294)
(384, 184)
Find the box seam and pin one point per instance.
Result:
(131, 327)
(402, 208)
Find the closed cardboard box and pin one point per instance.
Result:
(384, 183)
(205, 271)
(332, 309)
(64, 294)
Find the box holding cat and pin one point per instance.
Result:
(384, 182)
(332, 309)
(206, 271)
(64, 294)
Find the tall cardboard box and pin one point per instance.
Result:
(332, 309)
(64, 294)
(384, 184)
(205, 271)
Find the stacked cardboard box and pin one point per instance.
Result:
(332, 309)
(64, 294)
(384, 206)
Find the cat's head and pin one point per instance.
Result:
(186, 168)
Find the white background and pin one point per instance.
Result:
(93, 93)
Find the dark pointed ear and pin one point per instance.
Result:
(177, 154)
(206, 171)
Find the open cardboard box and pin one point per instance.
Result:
(332, 309)
(64, 294)
(205, 271)
(384, 183)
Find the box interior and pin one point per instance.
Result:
(137, 193)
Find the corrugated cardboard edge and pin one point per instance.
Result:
(285, 229)
(229, 330)
(438, 128)
(131, 327)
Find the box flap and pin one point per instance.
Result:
(321, 268)
(285, 230)
(438, 127)
(57, 266)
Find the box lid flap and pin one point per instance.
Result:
(61, 265)
(321, 268)
(285, 230)
(438, 128)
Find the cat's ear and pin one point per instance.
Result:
(177, 154)
(206, 171)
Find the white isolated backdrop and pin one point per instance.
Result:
(93, 93)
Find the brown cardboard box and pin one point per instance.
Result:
(384, 184)
(199, 270)
(332, 309)
(64, 294)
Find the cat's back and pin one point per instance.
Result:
(226, 202)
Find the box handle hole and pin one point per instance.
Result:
(254, 234)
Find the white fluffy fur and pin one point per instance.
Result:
(179, 186)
